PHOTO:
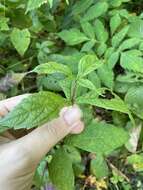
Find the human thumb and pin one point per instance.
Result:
(37, 143)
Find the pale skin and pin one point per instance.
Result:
(20, 157)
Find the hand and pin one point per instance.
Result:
(20, 157)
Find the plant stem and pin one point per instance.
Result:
(74, 90)
(118, 171)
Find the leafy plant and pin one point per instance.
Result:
(84, 52)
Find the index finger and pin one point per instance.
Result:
(8, 104)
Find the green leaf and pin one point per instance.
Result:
(34, 4)
(103, 72)
(87, 64)
(131, 61)
(95, 11)
(4, 23)
(101, 49)
(115, 3)
(52, 67)
(66, 85)
(72, 36)
(134, 99)
(136, 29)
(86, 83)
(99, 138)
(137, 161)
(60, 171)
(81, 6)
(115, 103)
(100, 31)
(20, 40)
(117, 38)
(88, 46)
(98, 167)
(88, 29)
(113, 59)
(141, 46)
(129, 43)
(115, 23)
(35, 110)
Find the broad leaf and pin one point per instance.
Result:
(98, 167)
(20, 39)
(132, 61)
(115, 23)
(4, 24)
(136, 29)
(134, 98)
(72, 36)
(66, 85)
(100, 31)
(86, 83)
(117, 38)
(81, 6)
(88, 29)
(87, 64)
(113, 59)
(95, 11)
(35, 110)
(88, 46)
(99, 138)
(105, 71)
(115, 103)
(129, 43)
(60, 171)
(52, 67)
(101, 49)
(34, 4)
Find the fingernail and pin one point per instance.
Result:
(72, 115)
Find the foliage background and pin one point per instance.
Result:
(37, 32)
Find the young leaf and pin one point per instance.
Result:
(117, 38)
(100, 31)
(95, 11)
(87, 64)
(20, 39)
(52, 67)
(115, 23)
(137, 161)
(60, 171)
(99, 138)
(72, 36)
(35, 110)
(98, 167)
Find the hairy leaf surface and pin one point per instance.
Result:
(60, 171)
(34, 111)
(99, 138)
